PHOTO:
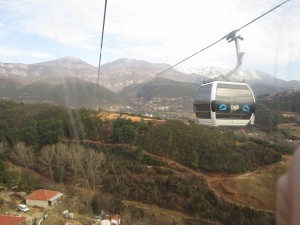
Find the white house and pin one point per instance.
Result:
(43, 198)
(115, 220)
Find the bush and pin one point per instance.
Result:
(117, 205)
(96, 204)
(2, 188)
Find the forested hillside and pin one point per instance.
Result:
(285, 101)
(270, 110)
(67, 91)
(76, 147)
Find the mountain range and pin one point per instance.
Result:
(71, 81)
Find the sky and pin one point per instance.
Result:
(157, 31)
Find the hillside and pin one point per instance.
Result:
(167, 164)
(68, 91)
(121, 73)
(254, 188)
(287, 101)
(159, 88)
(69, 81)
(9, 86)
(67, 66)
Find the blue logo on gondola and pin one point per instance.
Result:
(223, 107)
(246, 108)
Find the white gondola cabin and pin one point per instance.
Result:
(222, 103)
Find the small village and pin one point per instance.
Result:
(37, 208)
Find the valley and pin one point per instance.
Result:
(158, 165)
(253, 189)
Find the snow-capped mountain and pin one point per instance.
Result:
(123, 72)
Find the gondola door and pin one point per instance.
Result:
(233, 104)
(202, 104)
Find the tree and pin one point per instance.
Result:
(12, 178)
(50, 131)
(193, 159)
(2, 170)
(3, 130)
(30, 133)
(54, 158)
(75, 158)
(47, 158)
(124, 131)
(60, 161)
(3, 147)
(96, 204)
(12, 135)
(89, 163)
(92, 124)
(23, 155)
(95, 167)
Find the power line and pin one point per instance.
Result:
(183, 60)
(227, 36)
(263, 14)
(99, 69)
(103, 26)
(100, 53)
(101, 134)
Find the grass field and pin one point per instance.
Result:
(291, 128)
(114, 116)
(291, 114)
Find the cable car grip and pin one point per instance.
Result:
(229, 38)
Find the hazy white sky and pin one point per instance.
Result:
(158, 31)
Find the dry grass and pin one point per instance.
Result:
(256, 189)
(291, 114)
(291, 128)
(55, 216)
(114, 116)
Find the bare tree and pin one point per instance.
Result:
(47, 158)
(3, 147)
(54, 158)
(23, 155)
(95, 167)
(89, 163)
(60, 159)
(76, 159)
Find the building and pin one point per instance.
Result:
(43, 198)
(292, 89)
(12, 220)
(109, 220)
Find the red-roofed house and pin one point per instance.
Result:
(43, 198)
(12, 220)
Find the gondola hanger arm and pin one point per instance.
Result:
(232, 36)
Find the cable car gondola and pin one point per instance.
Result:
(220, 103)
(225, 103)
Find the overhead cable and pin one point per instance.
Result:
(100, 52)
(101, 132)
(227, 36)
